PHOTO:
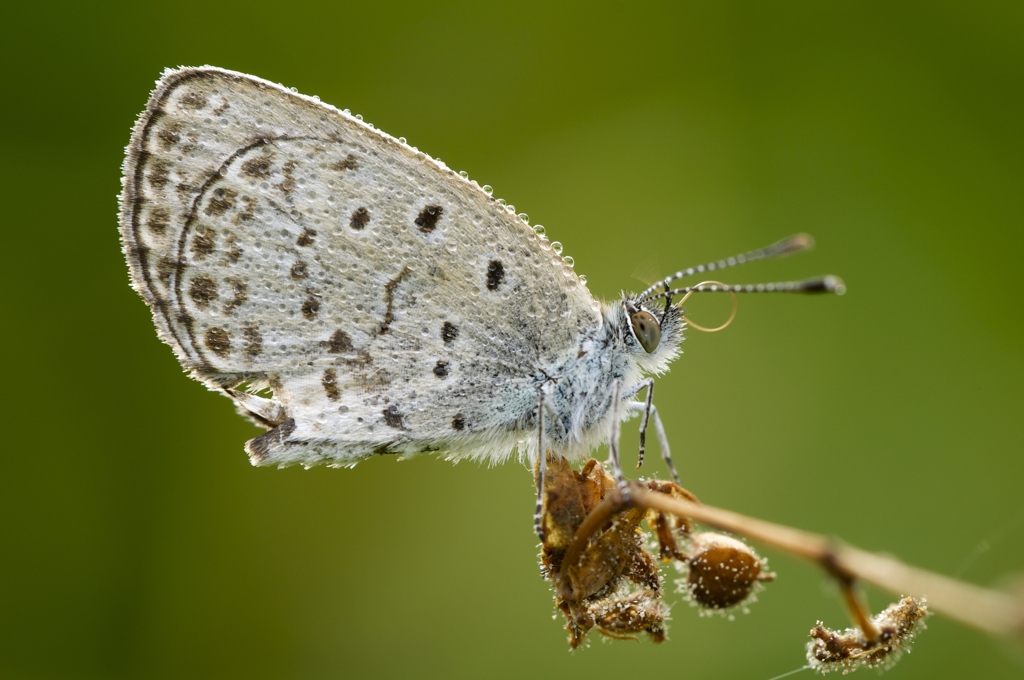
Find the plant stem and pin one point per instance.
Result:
(991, 611)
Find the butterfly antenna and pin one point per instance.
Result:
(793, 244)
(819, 284)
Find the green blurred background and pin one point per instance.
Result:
(139, 543)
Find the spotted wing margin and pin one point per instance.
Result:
(391, 305)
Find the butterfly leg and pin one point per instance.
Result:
(613, 442)
(650, 413)
(648, 407)
(542, 462)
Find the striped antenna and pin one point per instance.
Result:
(793, 244)
(820, 284)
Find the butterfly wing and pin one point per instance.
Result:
(390, 305)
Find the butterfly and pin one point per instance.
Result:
(358, 298)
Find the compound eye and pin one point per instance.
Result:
(646, 330)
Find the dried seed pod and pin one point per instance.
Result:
(629, 612)
(849, 650)
(722, 571)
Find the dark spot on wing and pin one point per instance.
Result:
(310, 307)
(495, 274)
(221, 201)
(360, 218)
(159, 174)
(389, 301)
(428, 218)
(193, 100)
(449, 332)
(241, 294)
(299, 270)
(347, 163)
(218, 341)
(340, 342)
(458, 422)
(158, 220)
(288, 184)
(257, 167)
(306, 237)
(247, 212)
(253, 341)
(330, 383)
(362, 358)
(203, 291)
(203, 242)
(184, 190)
(393, 418)
(170, 135)
(441, 369)
(234, 251)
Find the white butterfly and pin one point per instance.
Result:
(359, 297)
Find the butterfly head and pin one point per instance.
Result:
(651, 333)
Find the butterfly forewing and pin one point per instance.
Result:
(390, 305)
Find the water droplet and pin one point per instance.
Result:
(557, 247)
(463, 174)
(359, 116)
(524, 217)
(488, 189)
(539, 228)
(502, 202)
(583, 279)
(568, 260)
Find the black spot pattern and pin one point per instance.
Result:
(495, 274)
(393, 418)
(203, 291)
(258, 167)
(330, 383)
(218, 341)
(253, 341)
(310, 308)
(360, 218)
(340, 342)
(429, 217)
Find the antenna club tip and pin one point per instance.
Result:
(797, 243)
(834, 284)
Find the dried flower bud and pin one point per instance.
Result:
(613, 584)
(849, 650)
(723, 571)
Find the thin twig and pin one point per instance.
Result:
(991, 611)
